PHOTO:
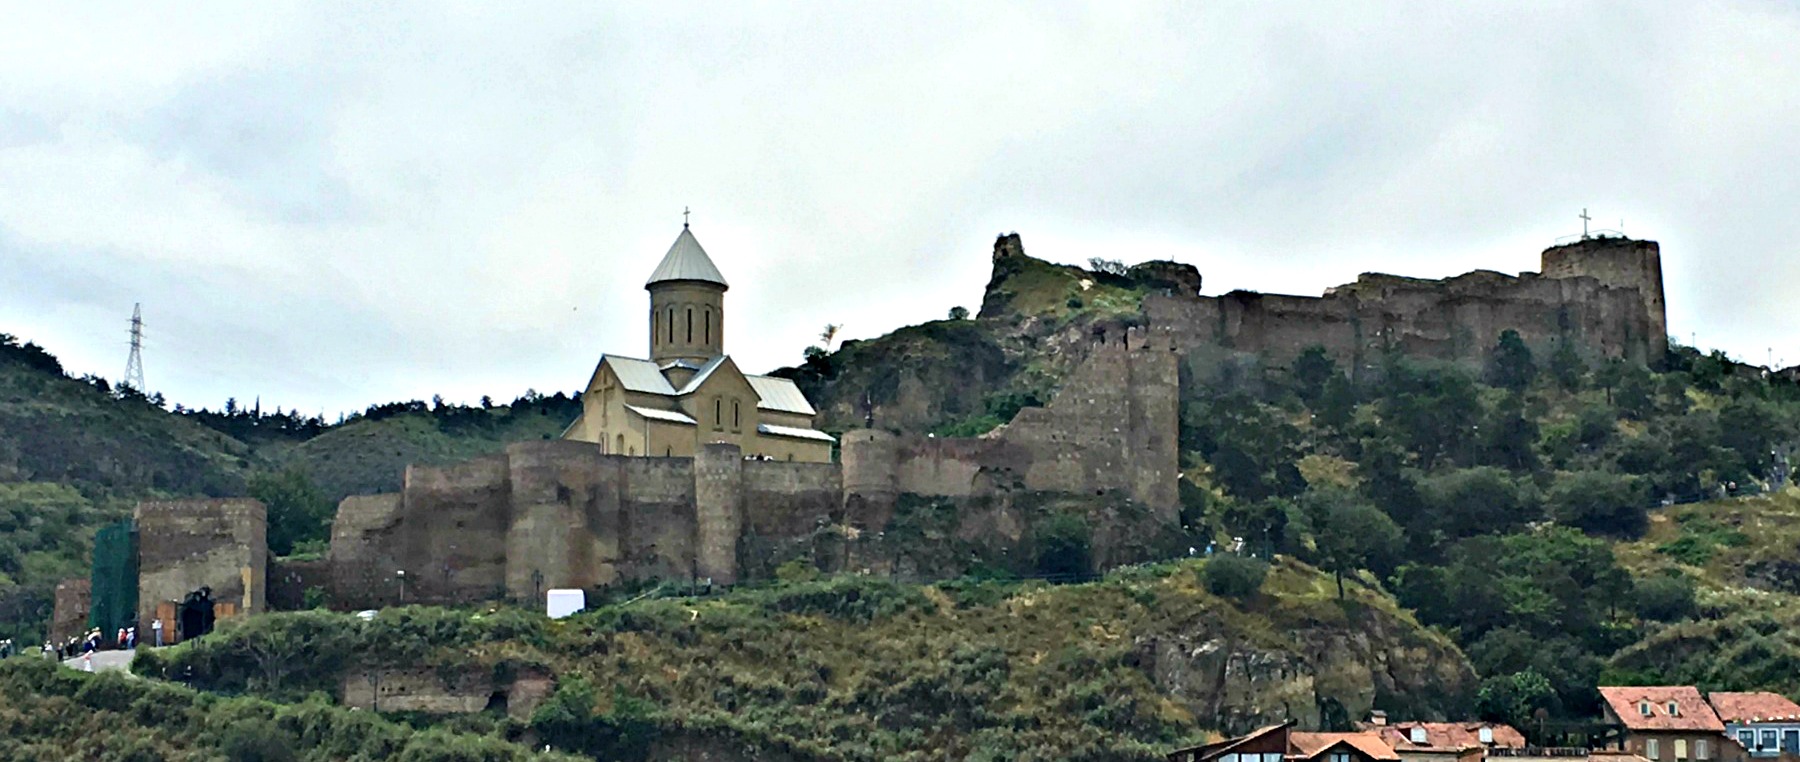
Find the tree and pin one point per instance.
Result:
(1310, 373)
(959, 313)
(1337, 406)
(1566, 366)
(1107, 266)
(1064, 547)
(1509, 362)
(1514, 698)
(1350, 534)
(297, 511)
(1637, 392)
(1665, 598)
(1233, 576)
(1599, 502)
(829, 334)
(1475, 501)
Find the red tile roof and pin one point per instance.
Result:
(1761, 706)
(1629, 704)
(1216, 748)
(1310, 745)
(1448, 736)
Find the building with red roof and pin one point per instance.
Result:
(1667, 723)
(1765, 724)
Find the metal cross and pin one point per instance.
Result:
(1584, 222)
(684, 215)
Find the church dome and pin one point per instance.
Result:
(686, 261)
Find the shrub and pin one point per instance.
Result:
(1064, 548)
(1665, 598)
(1234, 576)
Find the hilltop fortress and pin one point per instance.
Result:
(683, 468)
(1603, 295)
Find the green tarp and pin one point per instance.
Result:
(115, 579)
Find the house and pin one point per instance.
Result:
(1265, 744)
(1765, 724)
(1446, 741)
(1360, 746)
(1278, 743)
(1666, 723)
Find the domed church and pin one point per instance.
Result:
(689, 392)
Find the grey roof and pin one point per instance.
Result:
(686, 261)
(790, 431)
(699, 378)
(638, 375)
(780, 395)
(670, 416)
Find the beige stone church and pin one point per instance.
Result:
(689, 392)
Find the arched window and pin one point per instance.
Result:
(690, 325)
(671, 325)
(668, 451)
(707, 336)
(734, 415)
(718, 412)
(620, 450)
(654, 320)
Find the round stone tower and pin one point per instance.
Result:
(687, 304)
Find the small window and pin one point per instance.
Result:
(1681, 749)
(1702, 750)
(1644, 708)
(1674, 709)
(1767, 741)
(670, 324)
(1652, 749)
(718, 412)
(1747, 738)
(734, 415)
(708, 334)
(1340, 756)
(690, 325)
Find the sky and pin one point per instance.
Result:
(327, 206)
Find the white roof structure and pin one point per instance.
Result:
(638, 375)
(686, 261)
(666, 416)
(795, 432)
(700, 376)
(779, 395)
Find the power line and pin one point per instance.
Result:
(134, 365)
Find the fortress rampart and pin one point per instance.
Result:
(558, 514)
(1603, 295)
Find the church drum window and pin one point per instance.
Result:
(690, 325)
(707, 335)
(671, 324)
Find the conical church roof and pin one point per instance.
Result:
(686, 261)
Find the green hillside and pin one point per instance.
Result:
(859, 668)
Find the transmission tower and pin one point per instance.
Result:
(134, 366)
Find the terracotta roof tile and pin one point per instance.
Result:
(1629, 704)
(1760, 706)
(1310, 745)
(1448, 736)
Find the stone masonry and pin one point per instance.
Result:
(184, 545)
(559, 514)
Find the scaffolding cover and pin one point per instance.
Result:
(115, 582)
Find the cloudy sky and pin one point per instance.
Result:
(334, 205)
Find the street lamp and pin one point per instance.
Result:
(401, 575)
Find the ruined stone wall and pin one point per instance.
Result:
(70, 616)
(432, 691)
(184, 545)
(1604, 297)
(365, 551)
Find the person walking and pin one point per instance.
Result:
(156, 631)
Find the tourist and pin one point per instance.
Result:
(156, 631)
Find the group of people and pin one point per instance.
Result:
(93, 640)
(6, 648)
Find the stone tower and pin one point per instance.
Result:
(1620, 263)
(687, 305)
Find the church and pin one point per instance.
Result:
(689, 392)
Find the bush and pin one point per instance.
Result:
(1064, 548)
(257, 741)
(1665, 598)
(1234, 576)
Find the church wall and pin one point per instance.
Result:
(671, 440)
(792, 449)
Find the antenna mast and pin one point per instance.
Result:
(134, 366)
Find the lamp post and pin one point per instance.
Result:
(401, 575)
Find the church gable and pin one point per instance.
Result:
(720, 398)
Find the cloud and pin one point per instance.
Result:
(336, 205)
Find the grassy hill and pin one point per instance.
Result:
(859, 668)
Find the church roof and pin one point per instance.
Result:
(638, 375)
(666, 416)
(793, 431)
(780, 395)
(686, 261)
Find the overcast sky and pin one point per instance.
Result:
(336, 205)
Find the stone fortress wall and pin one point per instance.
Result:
(1605, 295)
(559, 514)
